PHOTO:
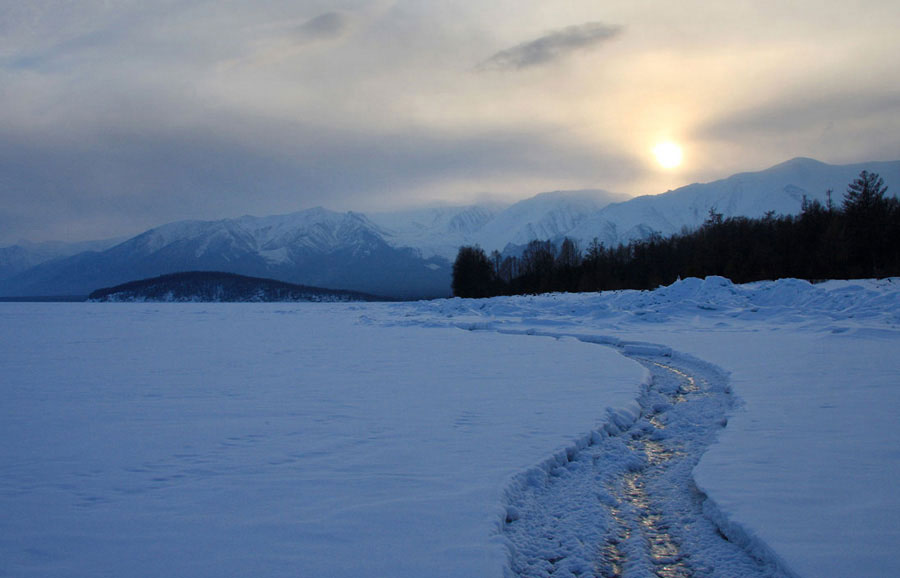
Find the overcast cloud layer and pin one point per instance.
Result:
(115, 117)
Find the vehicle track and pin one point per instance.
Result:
(626, 504)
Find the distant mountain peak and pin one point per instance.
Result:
(799, 162)
(589, 194)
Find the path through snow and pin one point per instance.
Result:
(626, 504)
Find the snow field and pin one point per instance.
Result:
(392, 439)
(817, 449)
(276, 440)
(805, 472)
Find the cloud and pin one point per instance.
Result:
(798, 114)
(848, 127)
(324, 27)
(273, 44)
(100, 181)
(552, 46)
(119, 116)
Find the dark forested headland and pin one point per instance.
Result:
(216, 286)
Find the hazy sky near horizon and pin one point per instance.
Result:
(116, 116)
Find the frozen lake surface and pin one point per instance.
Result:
(395, 439)
(806, 469)
(271, 440)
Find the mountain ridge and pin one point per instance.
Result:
(408, 254)
(320, 248)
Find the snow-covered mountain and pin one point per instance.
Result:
(436, 231)
(545, 216)
(276, 239)
(25, 255)
(441, 231)
(780, 189)
(314, 247)
(409, 253)
(613, 219)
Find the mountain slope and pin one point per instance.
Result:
(780, 188)
(24, 255)
(315, 247)
(435, 231)
(441, 231)
(545, 216)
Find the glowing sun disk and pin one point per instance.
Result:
(668, 154)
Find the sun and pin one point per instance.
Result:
(668, 154)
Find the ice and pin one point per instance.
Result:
(805, 471)
(275, 440)
(403, 439)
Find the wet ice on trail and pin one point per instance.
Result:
(626, 504)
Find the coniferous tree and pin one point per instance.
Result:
(567, 262)
(865, 195)
(569, 255)
(473, 274)
(509, 269)
(867, 218)
(538, 260)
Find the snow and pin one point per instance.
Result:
(437, 231)
(441, 231)
(456, 437)
(807, 466)
(274, 237)
(823, 420)
(275, 440)
(544, 216)
(780, 189)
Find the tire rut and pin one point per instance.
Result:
(626, 505)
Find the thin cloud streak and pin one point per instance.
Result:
(552, 47)
(280, 43)
(323, 27)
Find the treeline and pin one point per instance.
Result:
(858, 239)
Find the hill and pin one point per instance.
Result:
(206, 286)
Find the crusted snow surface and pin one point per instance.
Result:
(275, 439)
(626, 504)
(805, 471)
(379, 439)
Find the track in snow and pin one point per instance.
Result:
(626, 504)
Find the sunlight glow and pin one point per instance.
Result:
(668, 154)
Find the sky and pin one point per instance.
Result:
(117, 116)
